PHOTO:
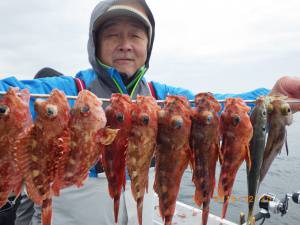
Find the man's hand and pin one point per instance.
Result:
(288, 86)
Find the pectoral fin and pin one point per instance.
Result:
(248, 158)
(108, 135)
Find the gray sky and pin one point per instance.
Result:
(215, 45)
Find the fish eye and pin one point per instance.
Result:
(4, 110)
(209, 119)
(264, 129)
(270, 108)
(236, 120)
(120, 117)
(51, 110)
(285, 109)
(145, 119)
(177, 123)
(85, 109)
(264, 113)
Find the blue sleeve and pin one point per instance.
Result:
(42, 86)
(162, 90)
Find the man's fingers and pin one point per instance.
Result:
(289, 86)
(295, 107)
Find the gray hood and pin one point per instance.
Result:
(99, 10)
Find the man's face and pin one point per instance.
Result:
(123, 45)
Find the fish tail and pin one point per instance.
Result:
(198, 197)
(140, 210)
(220, 189)
(47, 212)
(56, 188)
(205, 213)
(116, 208)
(168, 220)
(250, 212)
(225, 206)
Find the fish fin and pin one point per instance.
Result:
(248, 158)
(220, 189)
(221, 158)
(286, 144)
(225, 206)
(274, 144)
(56, 188)
(223, 149)
(107, 135)
(116, 208)
(198, 197)
(140, 210)
(147, 185)
(47, 211)
(33, 193)
(205, 213)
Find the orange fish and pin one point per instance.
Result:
(172, 154)
(237, 132)
(118, 115)
(141, 145)
(88, 134)
(44, 148)
(15, 123)
(205, 145)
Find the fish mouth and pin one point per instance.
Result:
(4, 110)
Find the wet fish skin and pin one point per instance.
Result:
(44, 149)
(237, 132)
(257, 146)
(279, 116)
(205, 145)
(172, 153)
(87, 137)
(141, 146)
(15, 124)
(118, 115)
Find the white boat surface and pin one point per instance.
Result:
(188, 215)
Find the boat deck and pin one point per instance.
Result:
(188, 215)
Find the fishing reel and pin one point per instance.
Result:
(269, 203)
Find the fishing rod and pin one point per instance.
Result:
(269, 203)
(158, 101)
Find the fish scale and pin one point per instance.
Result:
(279, 117)
(257, 145)
(141, 146)
(172, 154)
(88, 134)
(204, 140)
(43, 150)
(118, 115)
(237, 132)
(15, 124)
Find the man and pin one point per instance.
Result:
(120, 43)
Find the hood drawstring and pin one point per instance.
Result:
(116, 77)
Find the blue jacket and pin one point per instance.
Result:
(68, 85)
